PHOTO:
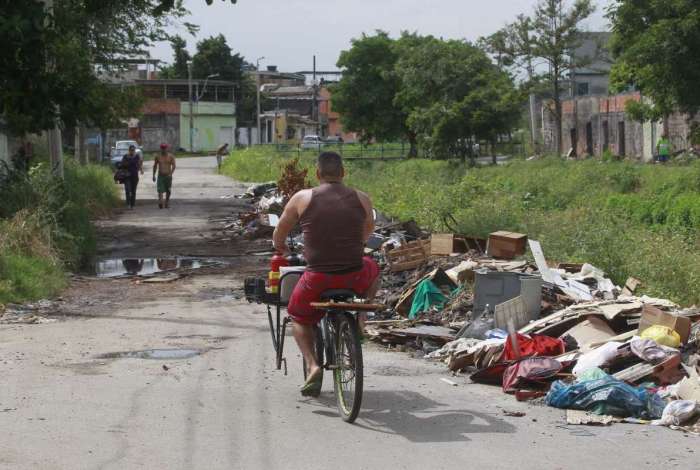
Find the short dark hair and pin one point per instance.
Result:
(131, 147)
(330, 164)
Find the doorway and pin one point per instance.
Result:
(589, 139)
(621, 138)
(573, 134)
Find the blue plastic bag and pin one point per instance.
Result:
(606, 395)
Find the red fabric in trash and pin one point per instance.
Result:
(532, 345)
(531, 372)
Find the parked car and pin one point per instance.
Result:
(311, 142)
(121, 148)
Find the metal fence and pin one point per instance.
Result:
(385, 151)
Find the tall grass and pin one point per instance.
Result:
(626, 218)
(45, 226)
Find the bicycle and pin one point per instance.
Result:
(338, 341)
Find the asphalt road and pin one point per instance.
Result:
(67, 401)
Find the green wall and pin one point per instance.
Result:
(208, 121)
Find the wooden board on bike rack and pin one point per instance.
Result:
(347, 306)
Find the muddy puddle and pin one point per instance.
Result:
(153, 354)
(116, 267)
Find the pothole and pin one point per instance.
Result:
(153, 354)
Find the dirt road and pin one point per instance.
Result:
(70, 400)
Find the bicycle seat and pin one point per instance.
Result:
(339, 295)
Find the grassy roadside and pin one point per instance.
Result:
(626, 218)
(46, 228)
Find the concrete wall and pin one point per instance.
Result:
(213, 123)
(593, 124)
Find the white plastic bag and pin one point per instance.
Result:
(597, 357)
(676, 413)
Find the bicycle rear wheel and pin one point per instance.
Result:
(318, 347)
(347, 374)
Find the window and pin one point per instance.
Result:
(581, 89)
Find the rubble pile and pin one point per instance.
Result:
(566, 334)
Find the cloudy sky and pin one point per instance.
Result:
(289, 32)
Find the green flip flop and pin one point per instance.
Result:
(312, 387)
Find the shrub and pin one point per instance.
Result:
(45, 225)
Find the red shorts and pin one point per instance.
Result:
(312, 285)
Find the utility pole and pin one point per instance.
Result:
(54, 135)
(314, 109)
(189, 87)
(257, 87)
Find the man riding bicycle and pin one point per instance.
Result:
(336, 222)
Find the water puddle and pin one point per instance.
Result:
(153, 354)
(116, 267)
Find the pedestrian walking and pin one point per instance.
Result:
(165, 167)
(133, 164)
(220, 152)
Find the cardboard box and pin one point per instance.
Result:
(444, 244)
(506, 245)
(653, 316)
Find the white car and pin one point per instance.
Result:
(311, 142)
(121, 148)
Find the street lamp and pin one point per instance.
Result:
(214, 75)
(257, 86)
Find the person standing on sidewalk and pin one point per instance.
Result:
(133, 164)
(663, 148)
(220, 152)
(165, 166)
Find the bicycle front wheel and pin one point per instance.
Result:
(347, 374)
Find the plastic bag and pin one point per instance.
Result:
(676, 413)
(597, 357)
(648, 350)
(662, 335)
(606, 396)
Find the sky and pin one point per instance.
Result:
(289, 32)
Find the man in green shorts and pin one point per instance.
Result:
(165, 165)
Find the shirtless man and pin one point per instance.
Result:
(165, 165)
(336, 221)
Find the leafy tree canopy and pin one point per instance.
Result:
(52, 60)
(656, 45)
(364, 97)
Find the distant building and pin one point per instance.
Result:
(591, 77)
(165, 116)
(271, 76)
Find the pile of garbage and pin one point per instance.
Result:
(564, 334)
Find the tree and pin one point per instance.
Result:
(453, 93)
(50, 62)
(556, 34)
(214, 56)
(364, 96)
(656, 45)
(180, 58)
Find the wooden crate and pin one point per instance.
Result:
(411, 255)
(506, 245)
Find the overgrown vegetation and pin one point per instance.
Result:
(626, 218)
(45, 226)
